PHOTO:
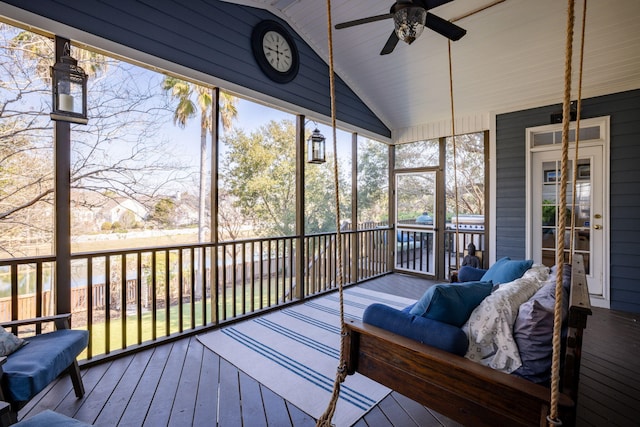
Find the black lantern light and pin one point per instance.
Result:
(315, 147)
(69, 89)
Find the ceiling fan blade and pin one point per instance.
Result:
(363, 21)
(432, 4)
(391, 43)
(445, 28)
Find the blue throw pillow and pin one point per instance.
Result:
(451, 303)
(506, 270)
(470, 274)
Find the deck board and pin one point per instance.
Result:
(230, 410)
(137, 408)
(187, 393)
(112, 410)
(167, 390)
(204, 409)
(253, 406)
(183, 383)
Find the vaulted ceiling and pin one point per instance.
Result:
(511, 58)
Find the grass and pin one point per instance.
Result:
(99, 329)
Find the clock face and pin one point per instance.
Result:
(275, 51)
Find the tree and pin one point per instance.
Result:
(121, 150)
(260, 175)
(470, 170)
(373, 181)
(164, 212)
(186, 108)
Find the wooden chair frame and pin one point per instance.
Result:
(61, 321)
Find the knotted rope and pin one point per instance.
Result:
(455, 158)
(578, 113)
(552, 418)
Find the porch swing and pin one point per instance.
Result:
(456, 387)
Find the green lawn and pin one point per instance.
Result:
(98, 332)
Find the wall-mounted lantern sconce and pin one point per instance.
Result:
(69, 89)
(315, 147)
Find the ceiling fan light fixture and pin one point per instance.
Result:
(409, 22)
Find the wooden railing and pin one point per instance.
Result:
(457, 249)
(134, 297)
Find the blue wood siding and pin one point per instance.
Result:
(212, 37)
(624, 109)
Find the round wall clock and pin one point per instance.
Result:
(275, 51)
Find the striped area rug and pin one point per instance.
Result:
(295, 353)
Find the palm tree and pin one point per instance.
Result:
(187, 108)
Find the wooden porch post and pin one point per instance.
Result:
(392, 208)
(355, 250)
(300, 232)
(62, 204)
(442, 273)
(215, 167)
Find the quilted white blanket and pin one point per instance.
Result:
(490, 326)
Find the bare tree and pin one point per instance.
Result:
(121, 152)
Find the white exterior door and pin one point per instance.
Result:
(590, 213)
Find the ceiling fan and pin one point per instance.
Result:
(410, 17)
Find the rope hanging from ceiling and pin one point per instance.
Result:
(552, 418)
(325, 419)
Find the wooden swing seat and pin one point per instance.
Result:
(461, 389)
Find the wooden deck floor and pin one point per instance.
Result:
(183, 383)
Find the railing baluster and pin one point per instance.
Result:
(192, 286)
(139, 296)
(261, 272)
(224, 282)
(243, 274)
(180, 291)
(167, 293)
(90, 302)
(38, 295)
(107, 304)
(269, 302)
(154, 296)
(204, 286)
(123, 299)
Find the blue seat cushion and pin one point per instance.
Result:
(422, 329)
(49, 418)
(34, 366)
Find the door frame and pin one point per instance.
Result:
(435, 228)
(604, 141)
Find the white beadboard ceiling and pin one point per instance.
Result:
(511, 58)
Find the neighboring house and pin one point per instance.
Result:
(114, 209)
(186, 214)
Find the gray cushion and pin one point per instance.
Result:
(9, 342)
(533, 330)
